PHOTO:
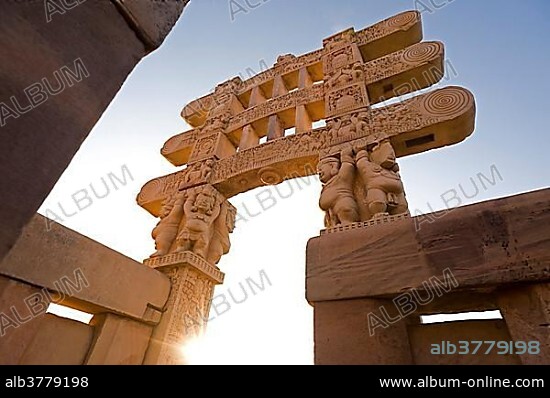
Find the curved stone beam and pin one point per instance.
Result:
(402, 72)
(390, 35)
(428, 121)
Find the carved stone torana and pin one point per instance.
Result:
(433, 120)
(241, 136)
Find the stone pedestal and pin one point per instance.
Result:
(370, 282)
(187, 309)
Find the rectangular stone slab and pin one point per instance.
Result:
(116, 283)
(428, 121)
(501, 241)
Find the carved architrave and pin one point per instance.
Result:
(182, 141)
(279, 104)
(432, 120)
(405, 27)
(408, 21)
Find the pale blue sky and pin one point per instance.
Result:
(498, 49)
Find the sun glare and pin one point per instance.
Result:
(197, 351)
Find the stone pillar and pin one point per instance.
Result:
(279, 87)
(118, 341)
(275, 128)
(249, 138)
(256, 97)
(304, 79)
(303, 120)
(526, 310)
(190, 238)
(188, 306)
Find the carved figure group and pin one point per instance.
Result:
(197, 220)
(376, 169)
(355, 124)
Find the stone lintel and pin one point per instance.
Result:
(432, 120)
(487, 244)
(383, 38)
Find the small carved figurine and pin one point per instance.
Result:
(166, 229)
(337, 198)
(201, 210)
(380, 174)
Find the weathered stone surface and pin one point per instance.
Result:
(40, 138)
(58, 341)
(526, 310)
(118, 341)
(21, 306)
(102, 278)
(28, 335)
(152, 20)
(342, 335)
(486, 244)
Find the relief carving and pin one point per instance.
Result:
(379, 173)
(351, 125)
(339, 59)
(166, 229)
(201, 208)
(370, 178)
(198, 220)
(217, 123)
(345, 76)
(346, 99)
(337, 199)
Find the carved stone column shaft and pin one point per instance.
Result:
(188, 306)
